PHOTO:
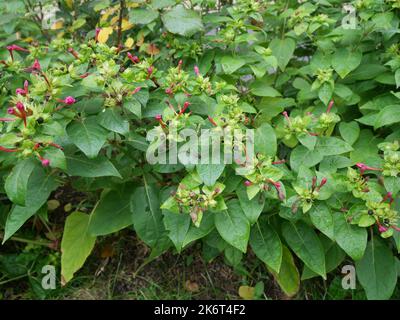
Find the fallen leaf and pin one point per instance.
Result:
(129, 43)
(246, 292)
(152, 49)
(191, 286)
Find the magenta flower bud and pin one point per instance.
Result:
(196, 70)
(248, 183)
(20, 91)
(382, 229)
(168, 91)
(360, 165)
(150, 70)
(323, 181)
(69, 100)
(20, 106)
(158, 117)
(11, 111)
(36, 65)
(97, 34)
(45, 162)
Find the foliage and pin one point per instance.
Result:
(78, 99)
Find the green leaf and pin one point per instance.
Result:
(251, 208)
(177, 226)
(195, 233)
(182, 21)
(79, 165)
(325, 93)
(231, 64)
(56, 157)
(142, 16)
(351, 238)
(283, 50)
(147, 216)
(306, 244)
(331, 146)
(322, 219)
(334, 256)
(87, 135)
(209, 173)
(301, 156)
(267, 246)
(345, 60)
(40, 185)
(397, 78)
(233, 226)
(387, 116)
(265, 140)
(112, 213)
(350, 131)
(17, 181)
(262, 90)
(377, 271)
(76, 245)
(288, 277)
(112, 120)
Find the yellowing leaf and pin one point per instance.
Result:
(129, 43)
(114, 20)
(126, 25)
(57, 25)
(69, 3)
(246, 292)
(104, 34)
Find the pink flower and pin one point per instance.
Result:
(11, 110)
(248, 183)
(158, 117)
(69, 100)
(134, 59)
(97, 34)
(185, 106)
(20, 91)
(45, 162)
(36, 65)
(20, 106)
(196, 70)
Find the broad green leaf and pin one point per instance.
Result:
(267, 246)
(206, 226)
(79, 165)
(87, 135)
(251, 208)
(17, 181)
(351, 238)
(322, 219)
(288, 277)
(265, 91)
(350, 131)
(112, 120)
(377, 271)
(283, 50)
(331, 146)
(345, 60)
(76, 245)
(209, 173)
(233, 226)
(147, 216)
(231, 64)
(325, 93)
(177, 226)
(265, 140)
(112, 213)
(56, 157)
(40, 185)
(305, 243)
(389, 115)
(334, 256)
(142, 16)
(301, 156)
(182, 21)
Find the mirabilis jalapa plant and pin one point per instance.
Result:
(77, 105)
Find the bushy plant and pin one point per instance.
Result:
(316, 80)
